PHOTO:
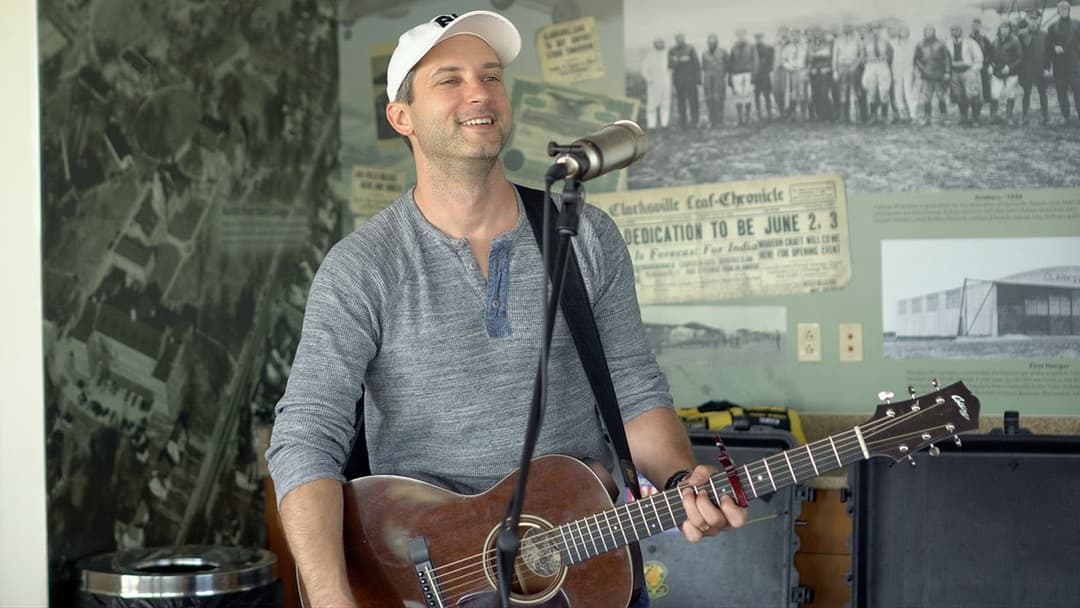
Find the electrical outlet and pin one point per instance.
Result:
(809, 342)
(850, 342)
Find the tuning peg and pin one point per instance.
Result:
(934, 383)
(885, 396)
(956, 440)
(912, 460)
(911, 391)
(934, 450)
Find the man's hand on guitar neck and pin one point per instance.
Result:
(703, 518)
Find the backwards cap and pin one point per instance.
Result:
(492, 28)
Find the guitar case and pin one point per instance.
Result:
(751, 567)
(992, 523)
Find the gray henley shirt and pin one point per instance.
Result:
(448, 358)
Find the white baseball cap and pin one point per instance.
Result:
(492, 28)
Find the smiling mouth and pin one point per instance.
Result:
(478, 122)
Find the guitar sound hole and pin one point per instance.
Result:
(538, 567)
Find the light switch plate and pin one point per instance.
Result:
(808, 342)
(850, 342)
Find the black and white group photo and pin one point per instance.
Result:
(896, 97)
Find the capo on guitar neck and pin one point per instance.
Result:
(729, 470)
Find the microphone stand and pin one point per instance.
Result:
(508, 541)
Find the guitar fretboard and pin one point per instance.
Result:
(608, 530)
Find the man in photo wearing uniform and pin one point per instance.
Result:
(714, 68)
(1005, 72)
(793, 61)
(1063, 58)
(966, 60)
(686, 74)
(848, 56)
(654, 68)
(766, 59)
(1032, 58)
(877, 77)
(903, 73)
(932, 64)
(986, 45)
(743, 64)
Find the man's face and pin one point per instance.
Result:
(680, 39)
(904, 33)
(1063, 10)
(740, 35)
(460, 108)
(713, 42)
(658, 44)
(848, 30)
(929, 33)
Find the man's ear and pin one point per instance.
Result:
(397, 114)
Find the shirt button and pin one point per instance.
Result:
(495, 304)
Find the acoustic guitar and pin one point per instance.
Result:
(409, 543)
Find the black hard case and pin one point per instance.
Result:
(994, 523)
(751, 567)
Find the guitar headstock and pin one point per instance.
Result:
(899, 429)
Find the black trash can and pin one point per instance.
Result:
(188, 576)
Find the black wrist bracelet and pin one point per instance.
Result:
(676, 478)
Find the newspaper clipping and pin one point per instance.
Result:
(545, 112)
(373, 188)
(719, 241)
(570, 51)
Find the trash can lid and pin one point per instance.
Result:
(182, 571)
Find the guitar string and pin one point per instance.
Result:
(870, 429)
(847, 446)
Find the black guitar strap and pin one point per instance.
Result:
(578, 314)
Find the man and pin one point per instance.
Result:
(1004, 72)
(903, 72)
(743, 64)
(986, 45)
(783, 38)
(1033, 57)
(966, 59)
(1063, 58)
(793, 59)
(686, 74)
(432, 309)
(714, 66)
(821, 78)
(848, 57)
(654, 68)
(766, 59)
(877, 77)
(932, 66)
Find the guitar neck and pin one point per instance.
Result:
(608, 530)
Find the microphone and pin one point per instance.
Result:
(613, 147)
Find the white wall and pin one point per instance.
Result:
(23, 577)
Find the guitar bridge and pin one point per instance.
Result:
(425, 573)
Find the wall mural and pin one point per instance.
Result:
(189, 151)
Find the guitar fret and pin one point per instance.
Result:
(667, 500)
(769, 471)
(644, 517)
(794, 478)
(569, 544)
(659, 522)
(839, 463)
(712, 484)
(862, 443)
(607, 523)
(584, 547)
(622, 528)
(633, 526)
(592, 537)
(810, 453)
(750, 478)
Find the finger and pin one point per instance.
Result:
(734, 515)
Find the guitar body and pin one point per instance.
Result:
(385, 515)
